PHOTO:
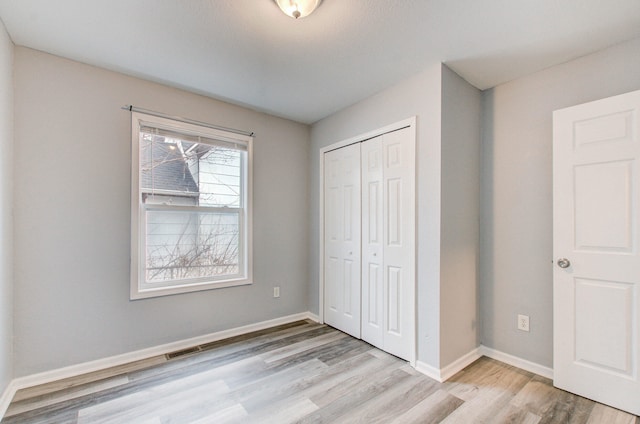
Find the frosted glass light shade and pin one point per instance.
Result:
(298, 8)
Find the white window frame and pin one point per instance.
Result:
(140, 289)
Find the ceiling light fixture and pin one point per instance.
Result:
(298, 8)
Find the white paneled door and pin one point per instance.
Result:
(372, 242)
(388, 242)
(596, 241)
(342, 239)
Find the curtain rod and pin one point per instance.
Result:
(132, 108)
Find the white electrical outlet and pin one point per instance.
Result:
(523, 322)
(276, 291)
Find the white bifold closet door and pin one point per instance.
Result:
(388, 242)
(369, 241)
(342, 239)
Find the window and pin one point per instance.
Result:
(191, 214)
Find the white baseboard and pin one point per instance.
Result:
(313, 317)
(516, 362)
(443, 374)
(459, 364)
(100, 364)
(6, 397)
(428, 370)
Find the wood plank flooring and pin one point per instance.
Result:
(301, 373)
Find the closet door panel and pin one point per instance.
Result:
(372, 236)
(342, 239)
(399, 242)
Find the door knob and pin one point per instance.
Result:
(564, 263)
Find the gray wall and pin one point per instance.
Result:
(460, 207)
(6, 201)
(421, 96)
(72, 212)
(516, 215)
(70, 184)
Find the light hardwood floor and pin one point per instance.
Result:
(301, 373)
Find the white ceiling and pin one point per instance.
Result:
(248, 52)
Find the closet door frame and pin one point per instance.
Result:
(406, 123)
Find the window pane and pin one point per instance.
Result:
(187, 245)
(178, 172)
(219, 176)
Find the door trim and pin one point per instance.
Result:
(406, 123)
